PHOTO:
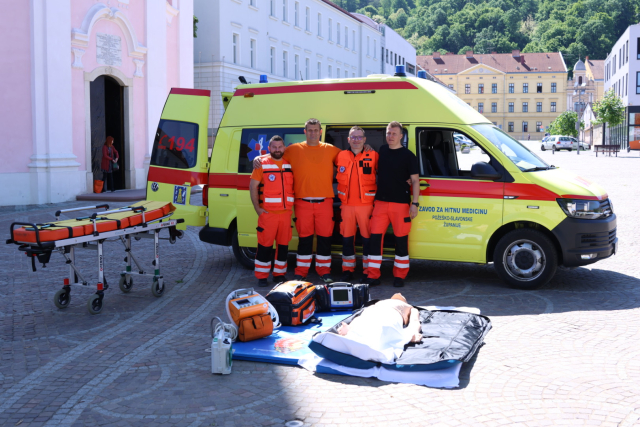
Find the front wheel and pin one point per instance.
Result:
(525, 259)
(245, 256)
(95, 304)
(157, 287)
(542, 148)
(62, 298)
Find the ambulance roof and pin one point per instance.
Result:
(372, 100)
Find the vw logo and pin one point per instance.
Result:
(155, 186)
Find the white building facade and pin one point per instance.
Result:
(622, 75)
(286, 40)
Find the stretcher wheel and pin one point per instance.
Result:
(126, 283)
(95, 304)
(62, 298)
(157, 288)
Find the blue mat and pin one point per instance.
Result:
(287, 344)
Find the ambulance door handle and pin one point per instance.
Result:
(424, 185)
(224, 195)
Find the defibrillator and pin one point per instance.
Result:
(246, 303)
(341, 296)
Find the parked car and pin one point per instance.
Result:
(557, 143)
(583, 145)
(461, 139)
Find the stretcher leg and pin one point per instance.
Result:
(126, 281)
(95, 302)
(157, 287)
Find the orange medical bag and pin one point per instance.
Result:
(255, 327)
(294, 301)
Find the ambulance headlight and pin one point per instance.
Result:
(586, 209)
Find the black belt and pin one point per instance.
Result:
(313, 201)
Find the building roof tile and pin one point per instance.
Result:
(595, 67)
(514, 62)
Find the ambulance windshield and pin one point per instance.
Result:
(515, 151)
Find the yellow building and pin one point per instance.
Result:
(522, 93)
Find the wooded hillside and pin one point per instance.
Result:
(574, 27)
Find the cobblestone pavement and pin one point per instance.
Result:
(566, 354)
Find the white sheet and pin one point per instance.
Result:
(441, 378)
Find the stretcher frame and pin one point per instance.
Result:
(67, 248)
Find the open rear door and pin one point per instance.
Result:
(179, 159)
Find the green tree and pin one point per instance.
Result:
(565, 124)
(609, 110)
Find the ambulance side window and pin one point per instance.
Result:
(447, 153)
(376, 136)
(255, 142)
(175, 145)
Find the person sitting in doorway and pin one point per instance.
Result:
(109, 157)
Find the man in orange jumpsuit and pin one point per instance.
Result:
(273, 205)
(356, 189)
(393, 204)
(313, 163)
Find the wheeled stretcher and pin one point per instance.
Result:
(144, 219)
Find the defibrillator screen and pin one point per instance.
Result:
(242, 301)
(341, 295)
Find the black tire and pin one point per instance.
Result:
(157, 287)
(570, 149)
(542, 148)
(62, 298)
(126, 285)
(534, 267)
(95, 304)
(245, 256)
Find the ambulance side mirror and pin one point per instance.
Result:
(483, 170)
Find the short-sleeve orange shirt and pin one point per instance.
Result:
(312, 169)
(257, 175)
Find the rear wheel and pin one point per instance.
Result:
(245, 255)
(525, 258)
(62, 298)
(570, 149)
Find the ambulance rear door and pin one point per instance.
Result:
(458, 213)
(179, 157)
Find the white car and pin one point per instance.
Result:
(557, 142)
(575, 144)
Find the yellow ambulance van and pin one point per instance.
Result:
(495, 202)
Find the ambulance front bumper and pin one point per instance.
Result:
(585, 241)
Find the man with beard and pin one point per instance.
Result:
(273, 205)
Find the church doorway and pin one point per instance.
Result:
(107, 119)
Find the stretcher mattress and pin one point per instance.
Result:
(287, 344)
(449, 338)
(66, 229)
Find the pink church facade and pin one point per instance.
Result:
(77, 71)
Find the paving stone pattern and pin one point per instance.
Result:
(566, 354)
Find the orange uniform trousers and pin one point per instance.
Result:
(273, 227)
(398, 215)
(314, 217)
(354, 217)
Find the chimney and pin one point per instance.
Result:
(436, 55)
(515, 53)
(586, 59)
(469, 54)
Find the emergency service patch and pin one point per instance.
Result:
(179, 195)
(272, 177)
(154, 186)
(342, 169)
